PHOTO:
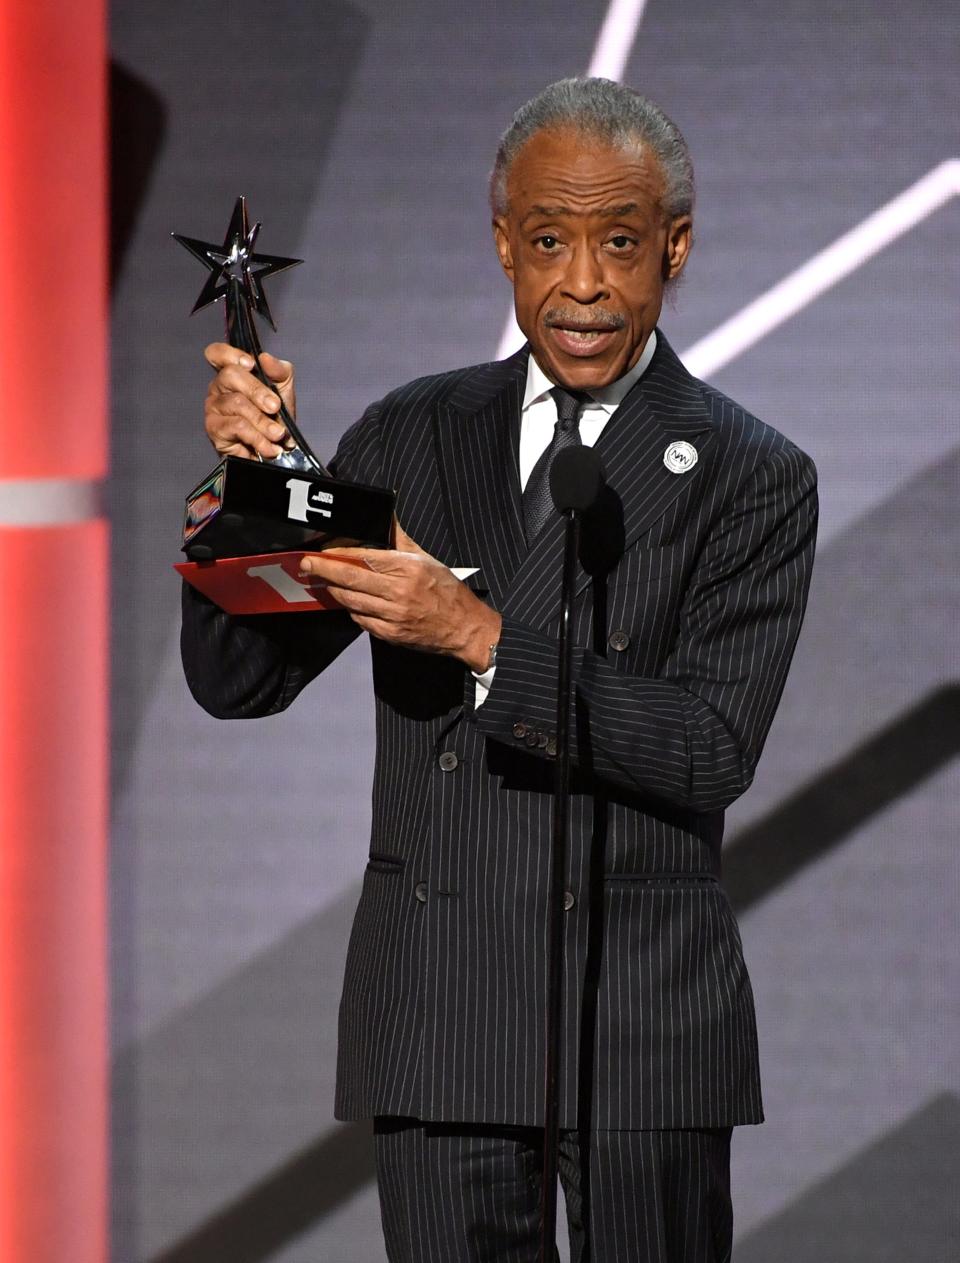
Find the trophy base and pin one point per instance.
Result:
(246, 509)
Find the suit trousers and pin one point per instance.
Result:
(461, 1193)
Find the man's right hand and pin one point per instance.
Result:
(240, 412)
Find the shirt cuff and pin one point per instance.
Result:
(484, 682)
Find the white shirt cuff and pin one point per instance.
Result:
(484, 682)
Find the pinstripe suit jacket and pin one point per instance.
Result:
(689, 600)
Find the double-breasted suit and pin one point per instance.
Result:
(690, 595)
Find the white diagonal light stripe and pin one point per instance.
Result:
(825, 269)
(49, 501)
(616, 39)
(609, 60)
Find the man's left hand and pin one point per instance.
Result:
(407, 597)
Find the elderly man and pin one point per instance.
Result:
(689, 600)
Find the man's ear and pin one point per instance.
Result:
(501, 238)
(679, 241)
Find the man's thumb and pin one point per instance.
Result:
(279, 371)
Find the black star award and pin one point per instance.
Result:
(247, 508)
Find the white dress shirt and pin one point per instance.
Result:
(538, 420)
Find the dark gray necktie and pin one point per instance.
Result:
(537, 501)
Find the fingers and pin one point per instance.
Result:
(407, 599)
(380, 628)
(381, 561)
(363, 605)
(221, 355)
(240, 415)
(372, 600)
(358, 593)
(346, 576)
(233, 420)
(237, 382)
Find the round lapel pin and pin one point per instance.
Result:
(679, 457)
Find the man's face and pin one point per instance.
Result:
(588, 249)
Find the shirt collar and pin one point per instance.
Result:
(607, 397)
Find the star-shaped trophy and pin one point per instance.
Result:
(270, 512)
(236, 275)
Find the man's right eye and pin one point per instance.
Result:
(546, 242)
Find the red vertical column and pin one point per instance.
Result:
(53, 632)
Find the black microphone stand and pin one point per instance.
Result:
(575, 484)
(558, 872)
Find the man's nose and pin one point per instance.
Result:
(584, 281)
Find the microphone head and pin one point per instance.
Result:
(576, 478)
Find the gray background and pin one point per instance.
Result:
(362, 134)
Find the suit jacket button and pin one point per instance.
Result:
(569, 899)
(542, 740)
(531, 738)
(519, 731)
(551, 746)
(420, 890)
(448, 761)
(619, 640)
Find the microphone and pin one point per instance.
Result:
(576, 479)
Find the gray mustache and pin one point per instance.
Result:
(583, 318)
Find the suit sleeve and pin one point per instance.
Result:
(692, 735)
(243, 667)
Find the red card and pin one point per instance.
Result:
(266, 584)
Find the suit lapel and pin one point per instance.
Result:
(477, 436)
(665, 405)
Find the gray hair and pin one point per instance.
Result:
(610, 112)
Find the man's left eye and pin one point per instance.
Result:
(620, 242)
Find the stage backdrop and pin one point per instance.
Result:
(362, 133)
